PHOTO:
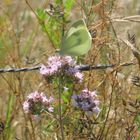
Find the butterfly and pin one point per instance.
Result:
(77, 40)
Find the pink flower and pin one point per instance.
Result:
(36, 102)
(69, 61)
(79, 76)
(50, 109)
(26, 106)
(43, 70)
(65, 64)
(51, 99)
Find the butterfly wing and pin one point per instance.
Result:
(75, 26)
(77, 40)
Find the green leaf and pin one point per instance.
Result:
(68, 4)
(77, 40)
(66, 97)
(41, 14)
(58, 1)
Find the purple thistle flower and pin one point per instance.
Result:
(86, 101)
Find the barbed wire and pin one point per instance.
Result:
(81, 68)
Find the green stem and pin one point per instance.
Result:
(60, 107)
(60, 84)
(63, 19)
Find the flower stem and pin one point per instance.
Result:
(60, 86)
(60, 107)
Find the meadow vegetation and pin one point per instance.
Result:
(35, 106)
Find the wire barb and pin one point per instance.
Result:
(19, 69)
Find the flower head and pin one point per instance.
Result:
(61, 64)
(36, 103)
(86, 101)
